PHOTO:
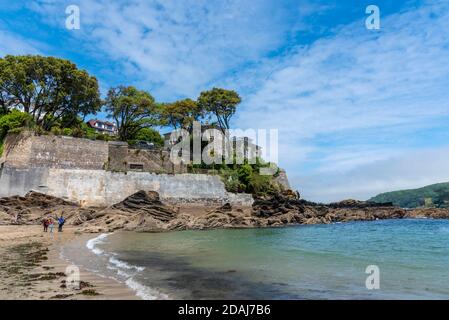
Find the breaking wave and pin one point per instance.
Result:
(91, 244)
(124, 271)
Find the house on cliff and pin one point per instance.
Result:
(245, 145)
(104, 127)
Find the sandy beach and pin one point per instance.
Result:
(31, 268)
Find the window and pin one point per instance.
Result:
(137, 167)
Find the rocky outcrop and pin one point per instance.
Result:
(280, 209)
(433, 213)
(146, 203)
(144, 212)
(350, 203)
(31, 208)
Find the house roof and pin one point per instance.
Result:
(92, 122)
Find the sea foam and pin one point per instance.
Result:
(91, 244)
(125, 270)
(122, 264)
(144, 292)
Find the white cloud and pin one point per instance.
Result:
(411, 169)
(355, 100)
(179, 47)
(13, 44)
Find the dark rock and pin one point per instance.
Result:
(147, 203)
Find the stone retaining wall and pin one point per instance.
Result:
(103, 188)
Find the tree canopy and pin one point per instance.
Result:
(56, 96)
(220, 102)
(132, 110)
(47, 88)
(150, 135)
(181, 114)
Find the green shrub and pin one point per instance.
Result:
(39, 131)
(101, 137)
(104, 137)
(78, 133)
(56, 131)
(13, 120)
(231, 180)
(67, 131)
(260, 185)
(244, 173)
(16, 130)
(150, 135)
(243, 178)
(82, 130)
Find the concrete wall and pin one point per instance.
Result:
(18, 181)
(102, 188)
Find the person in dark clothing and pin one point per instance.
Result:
(61, 222)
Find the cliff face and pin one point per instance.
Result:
(145, 212)
(282, 180)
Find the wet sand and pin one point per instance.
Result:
(31, 268)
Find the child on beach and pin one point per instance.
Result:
(51, 224)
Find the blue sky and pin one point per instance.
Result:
(358, 111)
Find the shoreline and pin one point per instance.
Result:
(32, 268)
(145, 212)
(206, 265)
(44, 280)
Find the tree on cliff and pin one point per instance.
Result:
(221, 103)
(150, 135)
(180, 114)
(131, 110)
(47, 88)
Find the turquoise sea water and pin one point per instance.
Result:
(300, 262)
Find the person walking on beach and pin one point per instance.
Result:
(61, 222)
(45, 224)
(51, 224)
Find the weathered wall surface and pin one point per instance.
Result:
(102, 188)
(16, 151)
(28, 150)
(15, 181)
(122, 158)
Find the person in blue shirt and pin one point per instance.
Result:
(61, 222)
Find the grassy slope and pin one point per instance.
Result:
(414, 198)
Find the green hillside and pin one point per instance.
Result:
(436, 195)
